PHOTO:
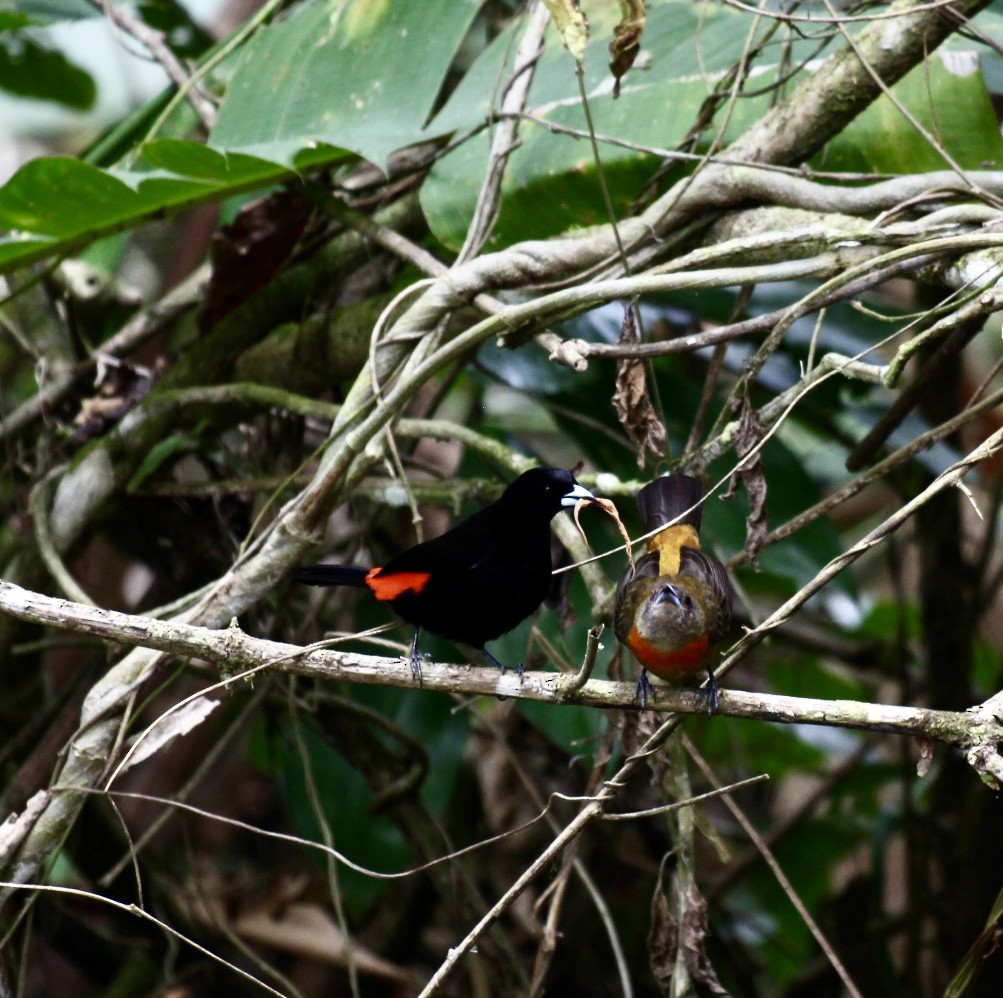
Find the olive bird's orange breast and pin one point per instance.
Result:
(672, 664)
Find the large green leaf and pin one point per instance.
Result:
(56, 203)
(361, 75)
(28, 69)
(13, 20)
(948, 96)
(332, 79)
(550, 184)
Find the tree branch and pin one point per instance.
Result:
(235, 652)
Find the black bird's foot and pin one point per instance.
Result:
(519, 667)
(644, 689)
(712, 692)
(415, 662)
(415, 657)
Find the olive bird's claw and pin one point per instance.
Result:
(644, 689)
(712, 691)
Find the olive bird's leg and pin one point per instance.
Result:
(644, 689)
(712, 691)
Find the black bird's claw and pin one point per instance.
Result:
(519, 667)
(644, 689)
(415, 658)
(415, 662)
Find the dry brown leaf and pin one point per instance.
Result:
(608, 507)
(632, 403)
(668, 934)
(662, 938)
(694, 932)
(572, 25)
(248, 252)
(306, 929)
(173, 725)
(626, 40)
(925, 756)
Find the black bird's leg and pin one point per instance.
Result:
(520, 668)
(712, 691)
(416, 657)
(644, 689)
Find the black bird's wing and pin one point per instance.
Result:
(476, 581)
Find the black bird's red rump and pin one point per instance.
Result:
(480, 579)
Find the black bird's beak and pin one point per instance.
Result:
(578, 492)
(668, 594)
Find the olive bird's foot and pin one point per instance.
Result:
(644, 689)
(712, 692)
(519, 667)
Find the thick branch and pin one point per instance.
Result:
(234, 651)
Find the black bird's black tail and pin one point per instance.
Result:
(667, 497)
(330, 575)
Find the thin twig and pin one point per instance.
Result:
(155, 42)
(771, 861)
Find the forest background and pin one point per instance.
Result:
(339, 272)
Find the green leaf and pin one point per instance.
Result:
(55, 203)
(58, 10)
(947, 94)
(12, 20)
(28, 69)
(159, 453)
(360, 75)
(550, 183)
(976, 954)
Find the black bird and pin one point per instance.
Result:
(478, 580)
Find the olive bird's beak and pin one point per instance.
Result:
(577, 493)
(668, 594)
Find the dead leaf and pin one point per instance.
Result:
(572, 25)
(662, 938)
(694, 932)
(307, 929)
(174, 725)
(16, 827)
(626, 40)
(925, 760)
(631, 400)
(120, 386)
(750, 475)
(668, 934)
(248, 252)
(608, 507)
